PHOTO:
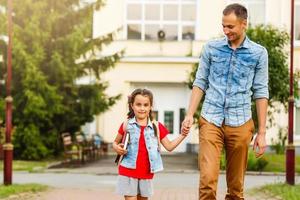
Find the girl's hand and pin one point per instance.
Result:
(186, 125)
(119, 149)
(184, 133)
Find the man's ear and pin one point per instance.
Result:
(245, 24)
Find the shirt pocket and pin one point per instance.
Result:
(218, 65)
(243, 72)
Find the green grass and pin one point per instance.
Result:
(6, 191)
(284, 191)
(276, 163)
(30, 166)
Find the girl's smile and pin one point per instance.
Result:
(141, 108)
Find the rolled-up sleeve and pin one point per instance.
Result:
(261, 77)
(201, 79)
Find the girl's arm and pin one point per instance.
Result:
(117, 146)
(171, 145)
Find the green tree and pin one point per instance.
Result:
(274, 40)
(52, 49)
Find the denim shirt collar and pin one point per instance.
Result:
(134, 121)
(245, 44)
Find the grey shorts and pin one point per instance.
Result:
(127, 186)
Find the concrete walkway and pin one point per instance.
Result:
(167, 185)
(102, 194)
(96, 181)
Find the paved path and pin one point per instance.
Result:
(168, 186)
(96, 181)
(171, 186)
(105, 194)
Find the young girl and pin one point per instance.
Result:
(142, 157)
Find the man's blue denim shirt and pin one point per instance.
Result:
(229, 78)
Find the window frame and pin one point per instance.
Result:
(161, 22)
(166, 123)
(296, 41)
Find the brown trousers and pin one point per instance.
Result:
(236, 141)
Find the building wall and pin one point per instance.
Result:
(109, 18)
(126, 75)
(210, 16)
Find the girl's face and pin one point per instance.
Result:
(141, 107)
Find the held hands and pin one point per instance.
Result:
(119, 148)
(183, 134)
(186, 125)
(260, 144)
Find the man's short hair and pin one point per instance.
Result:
(239, 10)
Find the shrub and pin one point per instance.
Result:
(254, 164)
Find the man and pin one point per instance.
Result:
(230, 70)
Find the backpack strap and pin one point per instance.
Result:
(125, 123)
(158, 133)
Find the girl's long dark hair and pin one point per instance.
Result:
(131, 98)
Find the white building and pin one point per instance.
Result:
(164, 66)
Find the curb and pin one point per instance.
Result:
(102, 172)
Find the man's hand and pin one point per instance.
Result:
(260, 144)
(187, 124)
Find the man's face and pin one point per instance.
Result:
(233, 27)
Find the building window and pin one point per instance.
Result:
(144, 19)
(169, 120)
(256, 10)
(297, 20)
(297, 122)
(297, 115)
(154, 115)
(134, 31)
(134, 12)
(181, 117)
